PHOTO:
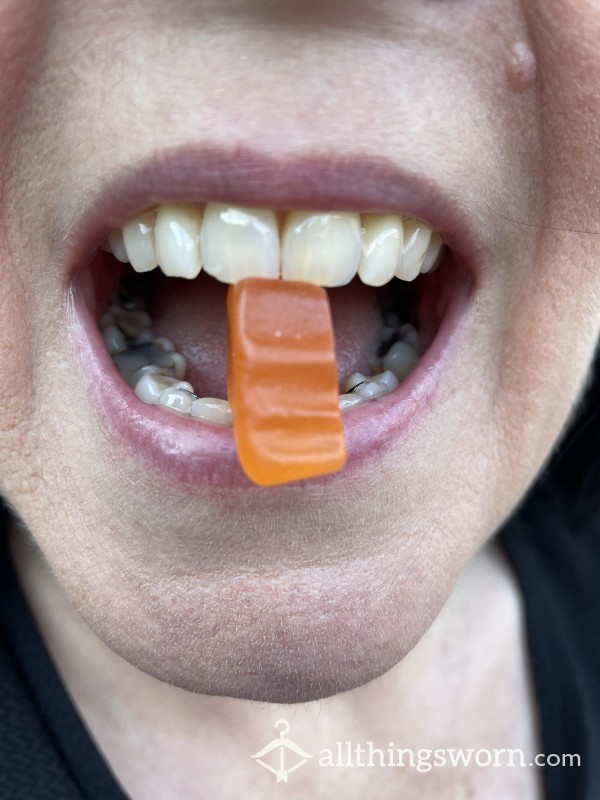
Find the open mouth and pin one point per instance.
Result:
(152, 310)
(154, 329)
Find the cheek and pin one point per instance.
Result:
(31, 404)
(19, 457)
(16, 374)
(567, 34)
(551, 330)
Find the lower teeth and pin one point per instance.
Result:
(155, 370)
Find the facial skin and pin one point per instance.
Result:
(299, 592)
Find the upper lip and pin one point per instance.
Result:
(249, 177)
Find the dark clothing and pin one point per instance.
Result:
(46, 753)
(558, 570)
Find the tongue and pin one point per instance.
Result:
(192, 314)
(282, 381)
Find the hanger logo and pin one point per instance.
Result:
(288, 755)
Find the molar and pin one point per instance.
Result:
(400, 359)
(151, 385)
(156, 371)
(114, 339)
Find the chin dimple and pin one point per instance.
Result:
(326, 248)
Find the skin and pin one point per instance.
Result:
(184, 588)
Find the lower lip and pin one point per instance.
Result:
(205, 455)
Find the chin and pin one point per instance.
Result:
(290, 636)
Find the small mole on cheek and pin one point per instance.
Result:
(521, 68)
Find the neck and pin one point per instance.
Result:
(465, 685)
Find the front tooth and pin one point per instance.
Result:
(321, 248)
(212, 409)
(382, 243)
(239, 243)
(432, 255)
(138, 236)
(417, 237)
(178, 239)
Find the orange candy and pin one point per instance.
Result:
(282, 381)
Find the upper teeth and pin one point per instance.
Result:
(231, 243)
(321, 248)
(177, 234)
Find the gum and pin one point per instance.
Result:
(282, 381)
